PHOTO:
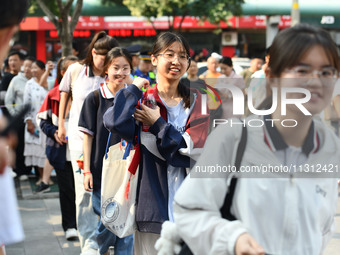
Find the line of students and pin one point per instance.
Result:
(79, 80)
(179, 116)
(174, 132)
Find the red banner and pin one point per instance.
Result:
(130, 22)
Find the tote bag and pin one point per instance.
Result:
(119, 187)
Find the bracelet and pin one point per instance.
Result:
(85, 173)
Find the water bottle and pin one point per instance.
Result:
(149, 101)
(111, 250)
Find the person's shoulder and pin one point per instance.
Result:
(90, 104)
(75, 66)
(258, 74)
(8, 75)
(226, 134)
(92, 94)
(17, 78)
(97, 95)
(6, 79)
(30, 81)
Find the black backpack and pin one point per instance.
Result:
(225, 209)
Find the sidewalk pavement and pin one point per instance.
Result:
(41, 220)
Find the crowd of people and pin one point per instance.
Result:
(120, 93)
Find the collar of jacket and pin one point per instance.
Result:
(275, 141)
(89, 71)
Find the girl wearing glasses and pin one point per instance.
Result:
(289, 211)
(172, 129)
(117, 66)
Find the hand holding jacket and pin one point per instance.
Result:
(147, 115)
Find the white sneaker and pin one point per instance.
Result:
(23, 177)
(71, 234)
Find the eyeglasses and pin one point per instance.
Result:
(329, 74)
(170, 56)
(123, 70)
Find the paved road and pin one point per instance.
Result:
(44, 235)
(41, 219)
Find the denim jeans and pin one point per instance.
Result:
(105, 238)
(87, 220)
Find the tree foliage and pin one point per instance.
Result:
(58, 12)
(211, 10)
(51, 5)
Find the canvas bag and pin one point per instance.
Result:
(119, 188)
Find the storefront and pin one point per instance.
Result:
(243, 36)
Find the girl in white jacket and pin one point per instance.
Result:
(290, 208)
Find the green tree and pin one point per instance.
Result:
(58, 12)
(213, 11)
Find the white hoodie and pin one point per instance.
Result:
(285, 214)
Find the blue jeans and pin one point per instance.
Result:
(105, 238)
(86, 218)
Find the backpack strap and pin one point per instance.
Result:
(225, 210)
